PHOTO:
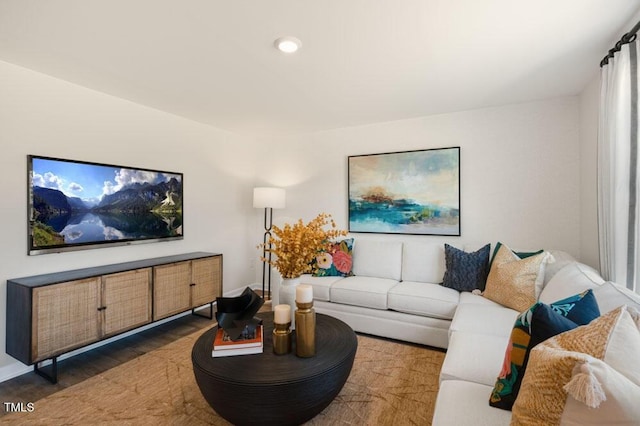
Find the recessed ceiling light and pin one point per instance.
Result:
(287, 44)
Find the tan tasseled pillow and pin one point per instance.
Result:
(512, 281)
(565, 384)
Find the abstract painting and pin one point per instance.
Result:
(411, 192)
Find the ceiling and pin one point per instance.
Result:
(362, 61)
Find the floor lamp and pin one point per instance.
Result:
(269, 199)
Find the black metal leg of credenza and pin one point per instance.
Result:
(210, 316)
(53, 376)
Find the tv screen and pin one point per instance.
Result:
(75, 205)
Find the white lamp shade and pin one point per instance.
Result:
(268, 198)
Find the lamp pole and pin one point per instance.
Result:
(269, 199)
(266, 266)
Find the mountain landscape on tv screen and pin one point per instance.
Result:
(136, 211)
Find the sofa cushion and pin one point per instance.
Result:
(321, 285)
(423, 262)
(513, 282)
(461, 403)
(532, 327)
(574, 278)
(368, 292)
(483, 319)
(613, 338)
(561, 259)
(477, 299)
(466, 271)
(611, 296)
(430, 300)
(380, 259)
(337, 261)
(487, 353)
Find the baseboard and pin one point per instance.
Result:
(16, 369)
(238, 291)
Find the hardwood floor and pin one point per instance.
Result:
(30, 387)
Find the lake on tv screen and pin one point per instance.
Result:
(92, 227)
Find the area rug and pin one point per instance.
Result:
(390, 383)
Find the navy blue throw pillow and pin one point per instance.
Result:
(581, 308)
(466, 271)
(546, 323)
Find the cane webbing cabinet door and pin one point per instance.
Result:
(171, 289)
(126, 300)
(65, 317)
(206, 277)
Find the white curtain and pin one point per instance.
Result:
(618, 186)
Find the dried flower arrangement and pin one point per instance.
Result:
(295, 246)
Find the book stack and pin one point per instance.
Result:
(247, 344)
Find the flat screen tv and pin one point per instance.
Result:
(75, 205)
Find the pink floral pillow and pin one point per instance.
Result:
(335, 262)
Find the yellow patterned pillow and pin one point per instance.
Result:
(512, 281)
(564, 365)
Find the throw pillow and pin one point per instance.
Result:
(556, 370)
(520, 254)
(335, 262)
(533, 326)
(513, 282)
(597, 385)
(466, 271)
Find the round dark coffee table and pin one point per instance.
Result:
(269, 389)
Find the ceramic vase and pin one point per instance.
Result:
(287, 295)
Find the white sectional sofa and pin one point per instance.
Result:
(479, 336)
(396, 293)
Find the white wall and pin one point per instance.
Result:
(45, 116)
(520, 171)
(589, 99)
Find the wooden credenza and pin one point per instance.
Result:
(51, 314)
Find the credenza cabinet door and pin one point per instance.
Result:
(126, 300)
(171, 289)
(206, 277)
(65, 316)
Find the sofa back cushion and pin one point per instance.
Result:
(381, 259)
(423, 262)
(611, 295)
(562, 259)
(574, 278)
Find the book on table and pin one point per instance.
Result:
(248, 343)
